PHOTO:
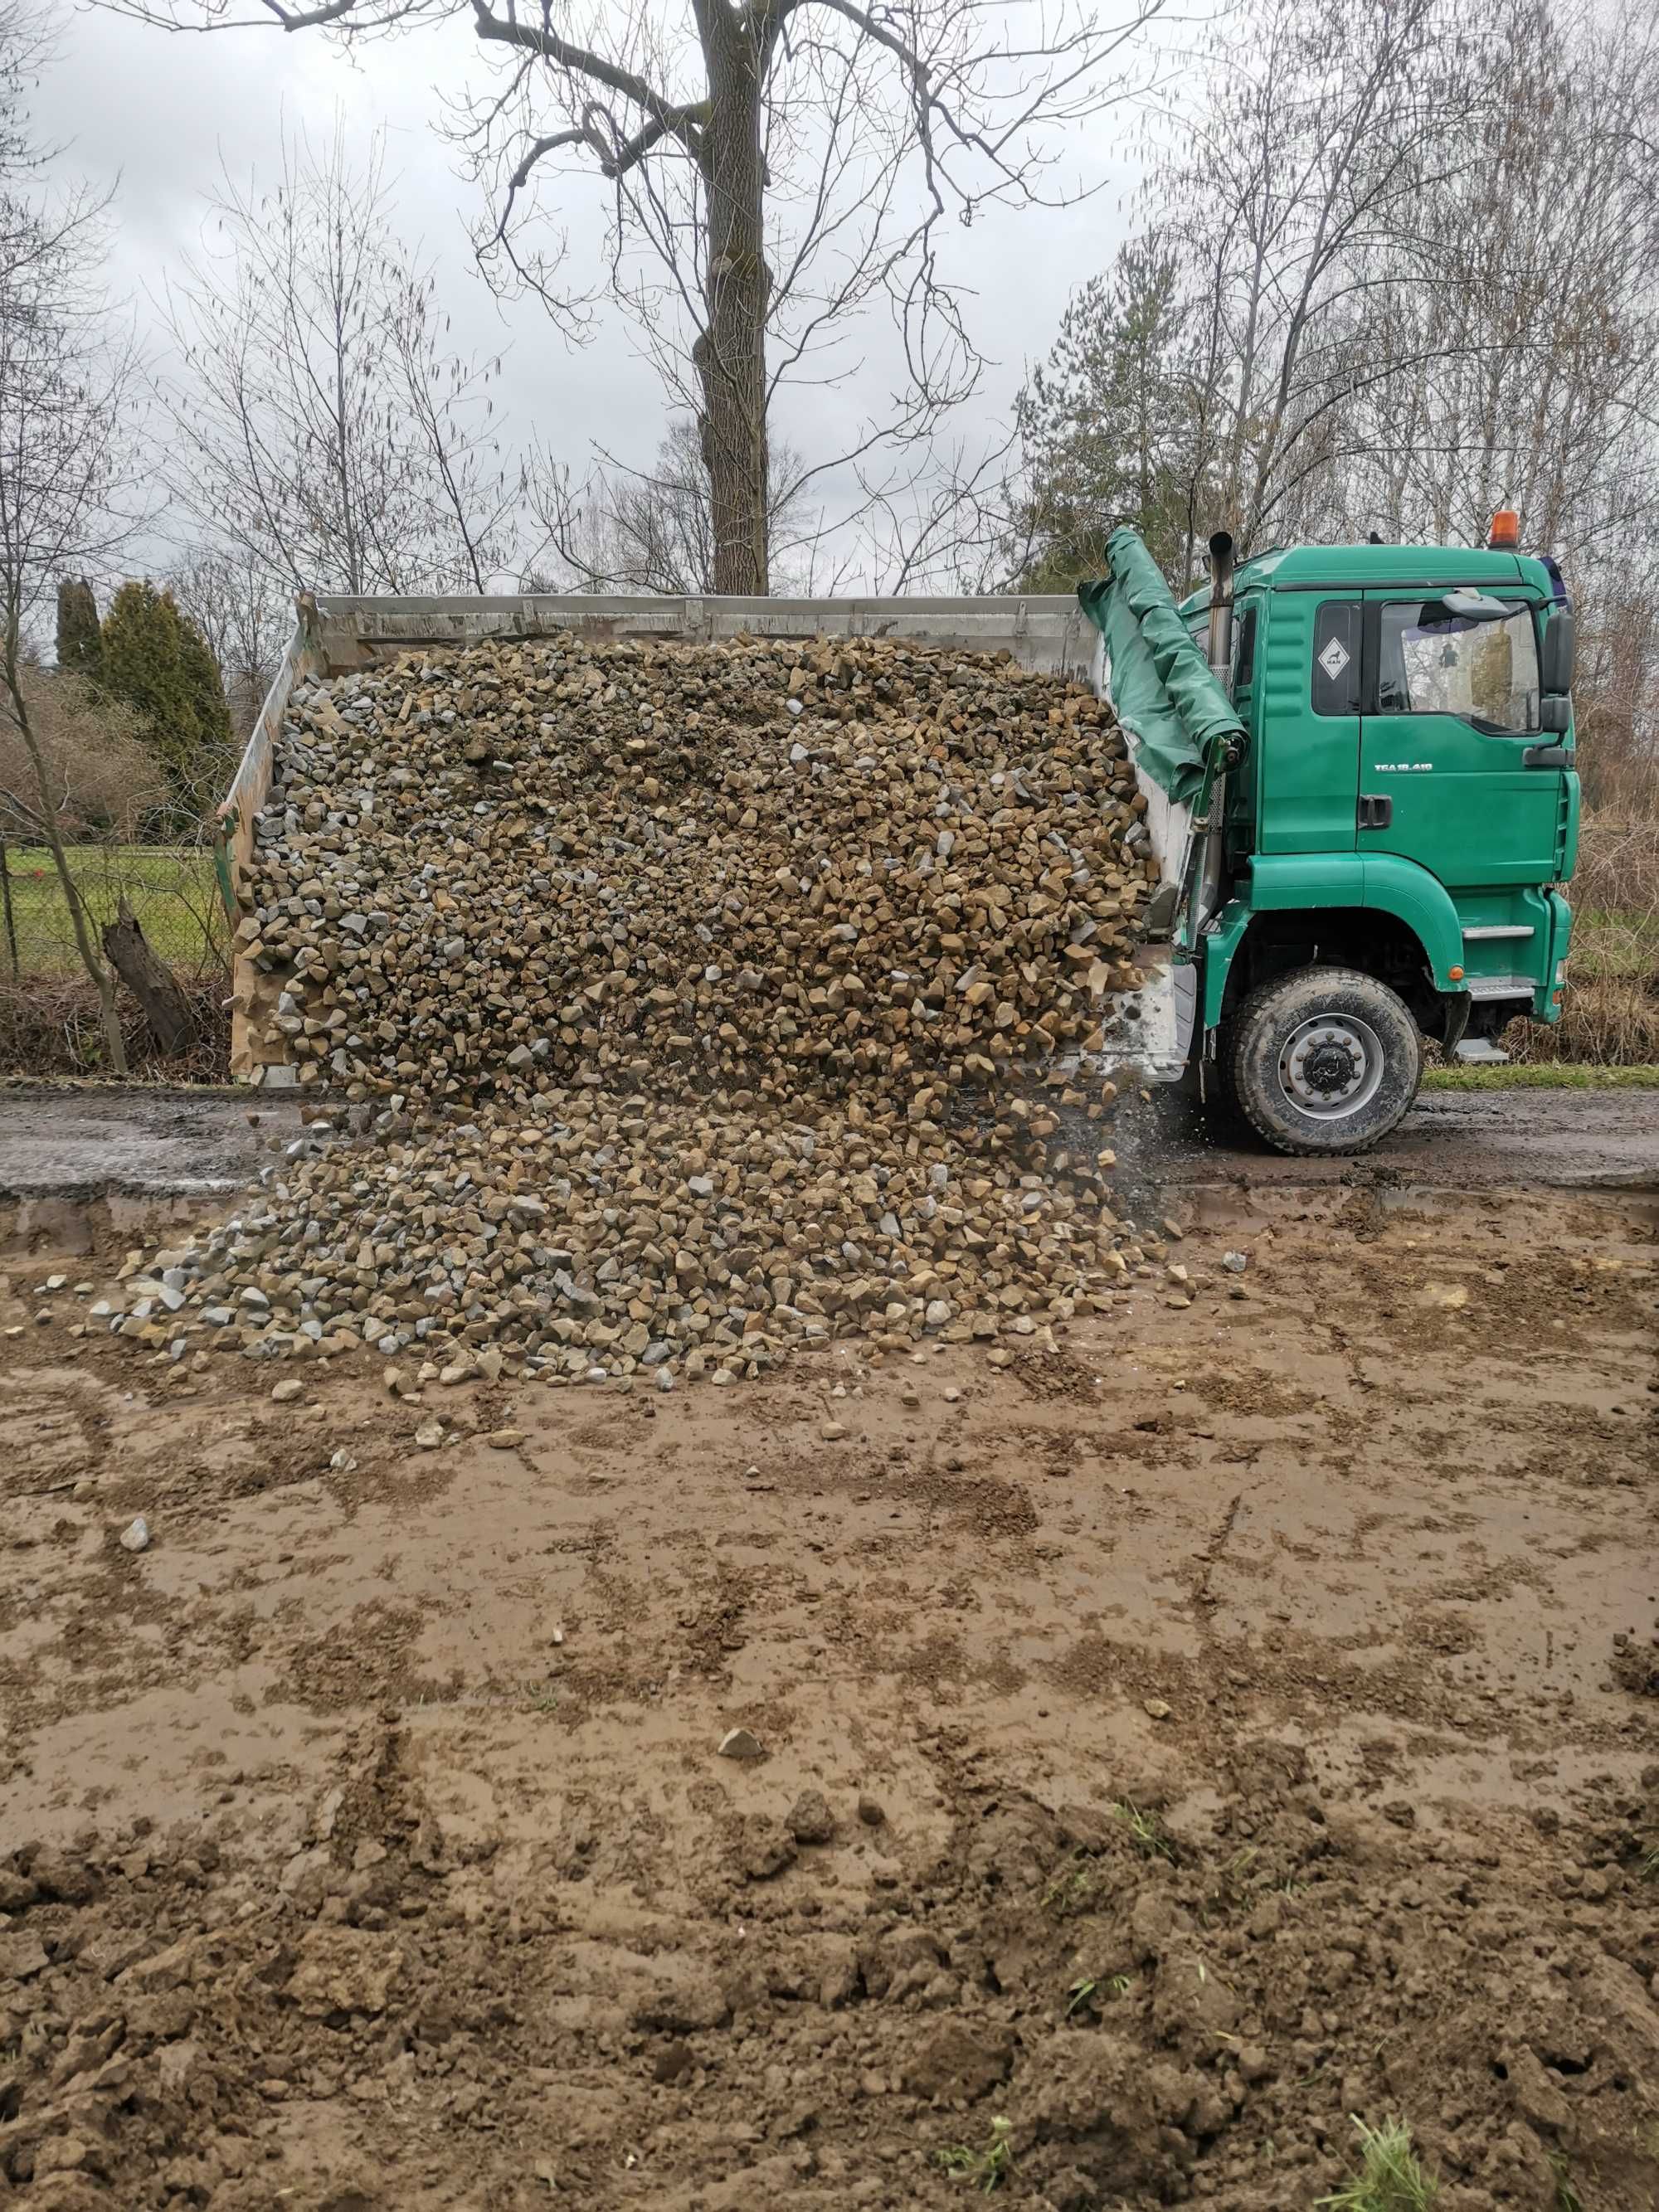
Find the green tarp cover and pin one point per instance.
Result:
(1162, 687)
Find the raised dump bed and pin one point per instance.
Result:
(1049, 633)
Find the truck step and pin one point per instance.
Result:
(1501, 987)
(1482, 1052)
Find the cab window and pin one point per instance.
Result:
(1432, 661)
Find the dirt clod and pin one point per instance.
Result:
(811, 1820)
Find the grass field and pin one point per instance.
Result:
(171, 891)
(1615, 943)
(1541, 1075)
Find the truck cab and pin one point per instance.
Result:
(1376, 851)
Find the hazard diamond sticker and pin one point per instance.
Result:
(1334, 659)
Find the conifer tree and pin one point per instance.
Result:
(157, 660)
(80, 641)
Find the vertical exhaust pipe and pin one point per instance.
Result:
(1206, 846)
(1221, 609)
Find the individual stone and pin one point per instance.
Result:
(285, 1392)
(134, 1537)
(741, 1743)
(810, 1820)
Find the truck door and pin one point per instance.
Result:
(1451, 712)
(1307, 768)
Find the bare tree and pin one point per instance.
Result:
(322, 432)
(653, 530)
(1299, 180)
(948, 519)
(101, 775)
(68, 386)
(25, 47)
(1390, 242)
(776, 172)
(1522, 354)
(1521, 351)
(244, 613)
(1616, 693)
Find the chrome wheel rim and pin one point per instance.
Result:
(1331, 1067)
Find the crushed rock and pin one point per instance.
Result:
(694, 1004)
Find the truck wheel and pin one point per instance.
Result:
(1324, 1061)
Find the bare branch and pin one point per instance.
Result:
(781, 172)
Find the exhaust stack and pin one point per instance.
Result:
(1221, 609)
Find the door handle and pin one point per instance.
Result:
(1375, 812)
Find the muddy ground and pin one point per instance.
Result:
(1243, 1718)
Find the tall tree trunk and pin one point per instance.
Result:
(730, 353)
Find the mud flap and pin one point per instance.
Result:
(1149, 1031)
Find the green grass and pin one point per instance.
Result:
(1542, 1075)
(1073, 1891)
(987, 2166)
(1144, 1831)
(1567, 2198)
(1084, 1992)
(1389, 2178)
(1617, 941)
(173, 893)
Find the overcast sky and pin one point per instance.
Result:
(153, 114)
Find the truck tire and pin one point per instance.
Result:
(1327, 1060)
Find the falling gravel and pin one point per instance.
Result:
(677, 1006)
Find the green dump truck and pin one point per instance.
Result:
(1358, 762)
(1355, 764)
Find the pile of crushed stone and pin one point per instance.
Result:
(687, 1003)
(481, 874)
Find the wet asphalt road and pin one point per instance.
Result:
(85, 1142)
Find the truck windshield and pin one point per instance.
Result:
(1434, 662)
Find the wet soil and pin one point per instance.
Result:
(1241, 1718)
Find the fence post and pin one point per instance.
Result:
(5, 901)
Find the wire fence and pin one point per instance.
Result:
(172, 890)
(49, 1023)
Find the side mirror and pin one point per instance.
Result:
(1556, 657)
(1554, 713)
(1468, 606)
